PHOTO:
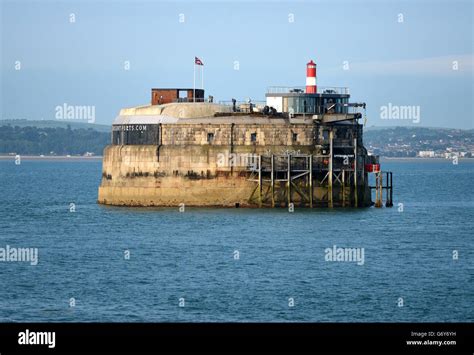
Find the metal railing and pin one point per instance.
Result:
(245, 106)
(302, 89)
(259, 103)
(238, 103)
(285, 89)
(197, 99)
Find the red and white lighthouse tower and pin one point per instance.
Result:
(311, 87)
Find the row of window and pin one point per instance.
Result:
(149, 135)
(313, 105)
(253, 137)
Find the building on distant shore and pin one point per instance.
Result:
(426, 154)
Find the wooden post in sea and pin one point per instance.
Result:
(311, 180)
(330, 201)
(259, 181)
(388, 188)
(378, 189)
(272, 176)
(356, 193)
(343, 187)
(381, 189)
(390, 200)
(289, 179)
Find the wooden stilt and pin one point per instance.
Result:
(311, 181)
(288, 184)
(330, 196)
(343, 188)
(259, 181)
(390, 201)
(273, 180)
(378, 189)
(356, 191)
(273, 187)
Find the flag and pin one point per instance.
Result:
(198, 61)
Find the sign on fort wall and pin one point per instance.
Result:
(135, 134)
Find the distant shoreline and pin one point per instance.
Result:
(423, 159)
(52, 157)
(99, 157)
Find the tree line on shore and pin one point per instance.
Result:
(394, 141)
(51, 141)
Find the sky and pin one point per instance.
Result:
(416, 54)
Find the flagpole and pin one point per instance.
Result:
(194, 82)
(202, 77)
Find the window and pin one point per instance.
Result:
(294, 137)
(253, 137)
(210, 137)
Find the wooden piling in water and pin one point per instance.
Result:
(271, 170)
(391, 189)
(378, 189)
(311, 181)
(259, 181)
(289, 180)
(356, 192)
(343, 188)
(330, 196)
(273, 180)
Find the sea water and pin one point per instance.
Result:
(119, 264)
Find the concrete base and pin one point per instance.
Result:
(150, 175)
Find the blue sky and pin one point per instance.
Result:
(82, 63)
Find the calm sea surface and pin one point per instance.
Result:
(190, 257)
